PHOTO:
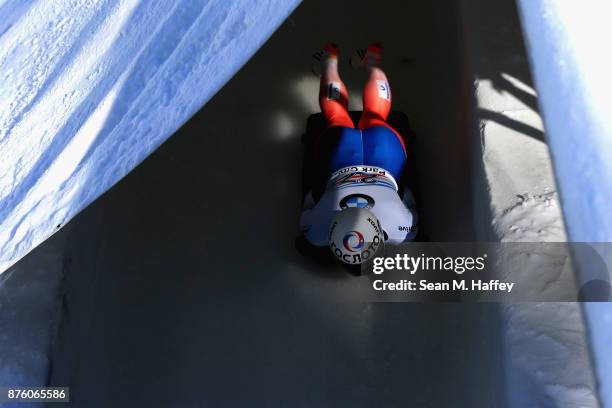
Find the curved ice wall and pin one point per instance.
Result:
(88, 89)
(568, 46)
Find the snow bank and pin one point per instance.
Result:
(89, 89)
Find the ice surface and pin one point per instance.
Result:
(572, 75)
(29, 307)
(546, 347)
(89, 89)
(86, 95)
(545, 350)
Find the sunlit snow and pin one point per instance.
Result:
(88, 89)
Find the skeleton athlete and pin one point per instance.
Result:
(354, 205)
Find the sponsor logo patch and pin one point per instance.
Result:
(333, 90)
(350, 179)
(357, 201)
(383, 89)
(357, 175)
(353, 241)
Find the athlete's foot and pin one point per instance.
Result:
(373, 57)
(367, 58)
(327, 55)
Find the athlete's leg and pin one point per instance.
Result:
(336, 143)
(376, 92)
(333, 95)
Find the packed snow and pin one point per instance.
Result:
(90, 88)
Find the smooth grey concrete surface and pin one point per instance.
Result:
(182, 286)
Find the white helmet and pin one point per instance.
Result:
(355, 235)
